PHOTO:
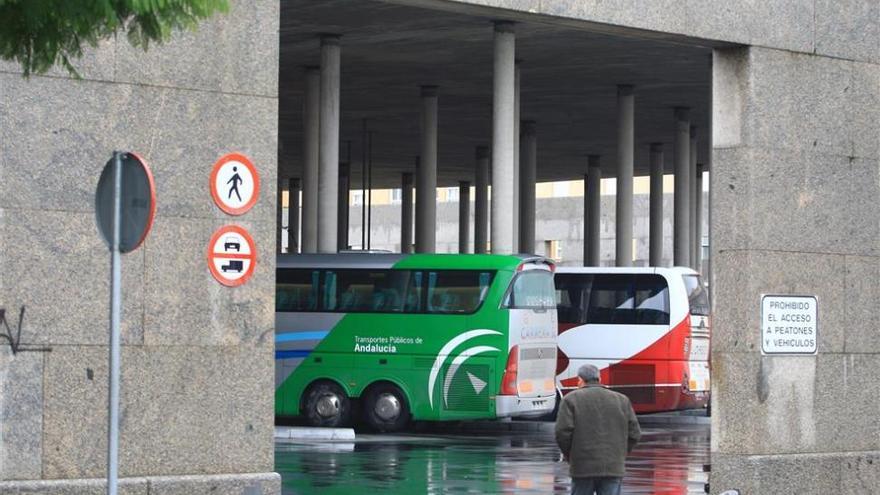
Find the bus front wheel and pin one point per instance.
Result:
(326, 404)
(385, 408)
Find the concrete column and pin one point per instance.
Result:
(503, 139)
(481, 201)
(426, 180)
(655, 215)
(328, 174)
(517, 149)
(279, 214)
(406, 213)
(698, 229)
(293, 216)
(692, 156)
(527, 179)
(592, 213)
(464, 216)
(342, 212)
(625, 149)
(680, 155)
(311, 147)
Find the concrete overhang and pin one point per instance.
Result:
(569, 76)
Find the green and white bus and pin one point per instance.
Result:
(390, 338)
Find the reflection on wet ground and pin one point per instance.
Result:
(668, 461)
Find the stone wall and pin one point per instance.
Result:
(795, 185)
(197, 358)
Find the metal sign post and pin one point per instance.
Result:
(115, 303)
(125, 203)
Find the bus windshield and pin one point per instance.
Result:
(532, 289)
(698, 297)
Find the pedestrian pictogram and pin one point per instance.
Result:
(235, 183)
(232, 255)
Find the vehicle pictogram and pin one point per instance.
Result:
(232, 255)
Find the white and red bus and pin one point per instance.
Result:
(646, 329)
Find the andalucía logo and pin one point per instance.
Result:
(463, 356)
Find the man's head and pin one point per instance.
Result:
(588, 374)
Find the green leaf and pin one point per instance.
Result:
(40, 34)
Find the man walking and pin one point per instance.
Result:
(595, 429)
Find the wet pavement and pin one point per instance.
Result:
(668, 461)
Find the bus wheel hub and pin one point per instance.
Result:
(387, 407)
(328, 406)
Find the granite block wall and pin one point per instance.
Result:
(794, 197)
(196, 399)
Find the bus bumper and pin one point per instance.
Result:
(513, 406)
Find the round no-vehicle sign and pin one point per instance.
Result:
(232, 255)
(235, 183)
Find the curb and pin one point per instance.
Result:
(294, 434)
(494, 426)
(660, 420)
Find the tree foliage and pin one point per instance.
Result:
(42, 33)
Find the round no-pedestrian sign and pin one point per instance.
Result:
(235, 183)
(232, 255)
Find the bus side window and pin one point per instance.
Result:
(371, 291)
(328, 301)
(611, 300)
(364, 291)
(454, 291)
(652, 300)
(485, 281)
(413, 300)
(571, 297)
(390, 290)
(296, 290)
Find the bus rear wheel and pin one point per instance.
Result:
(385, 408)
(326, 404)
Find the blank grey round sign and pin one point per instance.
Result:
(138, 202)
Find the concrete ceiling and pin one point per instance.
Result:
(569, 79)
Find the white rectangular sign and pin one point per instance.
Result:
(789, 325)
